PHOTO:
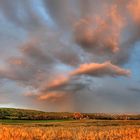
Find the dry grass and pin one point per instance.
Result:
(8, 132)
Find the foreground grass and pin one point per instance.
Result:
(14, 132)
(70, 130)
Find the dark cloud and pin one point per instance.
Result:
(134, 89)
(32, 51)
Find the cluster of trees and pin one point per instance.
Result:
(21, 114)
(102, 116)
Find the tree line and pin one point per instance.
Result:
(22, 114)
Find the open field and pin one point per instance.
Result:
(20, 124)
(70, 130)
(69, 133)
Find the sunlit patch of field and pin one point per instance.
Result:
(21, 132)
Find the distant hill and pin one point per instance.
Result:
(26, 114)
(12, 113)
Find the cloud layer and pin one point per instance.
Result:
(64, 53)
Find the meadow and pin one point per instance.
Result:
(20, 124)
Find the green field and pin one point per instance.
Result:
(8, 121)
(72, 123)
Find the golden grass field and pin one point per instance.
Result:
(61, 133)
(70, 131)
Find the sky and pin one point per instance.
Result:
(70, 55)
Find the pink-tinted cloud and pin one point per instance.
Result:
(134, 8)
(99, 70)
(91, 69)
(60, 81)
(53, 97)
(101, 33)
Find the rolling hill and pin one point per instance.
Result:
(26, 114)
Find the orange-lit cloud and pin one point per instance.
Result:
(134, 8)
(99, 70)
(60, 81)
(16, 61)
(56, 99)
(53, 97)
(91, 69)
(101, 33)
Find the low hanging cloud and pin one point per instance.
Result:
(69, 83)
(53, 97)
(59, 100)
(67, 87)
(91, 69)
